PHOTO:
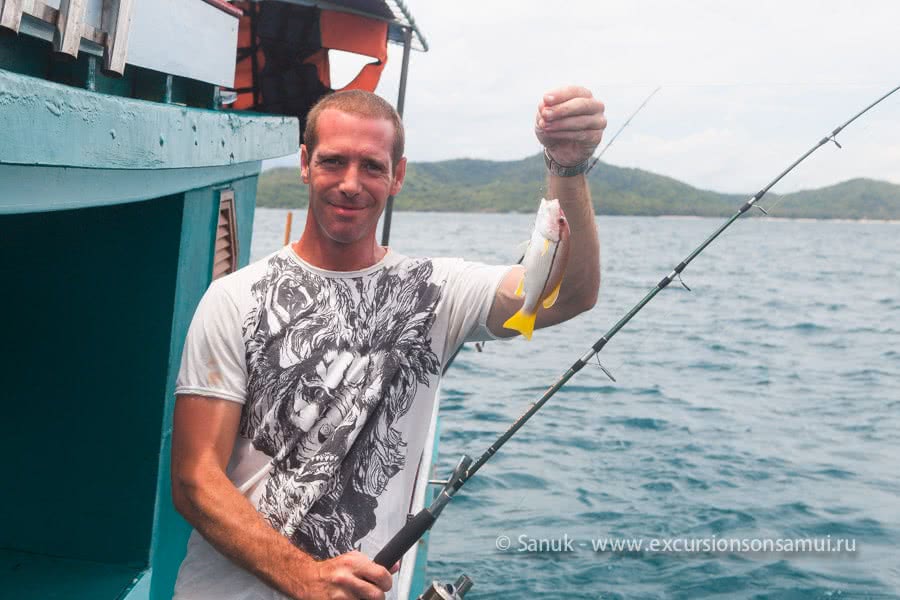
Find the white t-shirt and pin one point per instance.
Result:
(337, 374)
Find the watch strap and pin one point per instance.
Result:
(562, 170)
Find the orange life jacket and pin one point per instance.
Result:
(282, 58)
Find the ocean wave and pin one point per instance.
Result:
(659, 486)
(835, 473)
(639, 423)
(805, 327)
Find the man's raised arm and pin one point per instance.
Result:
(569, 124)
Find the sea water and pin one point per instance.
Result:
(760, 407)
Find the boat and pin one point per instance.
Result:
(133, 135)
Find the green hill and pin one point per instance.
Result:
(468, 185)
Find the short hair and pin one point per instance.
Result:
(355, 102)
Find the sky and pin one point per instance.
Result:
(746, 87)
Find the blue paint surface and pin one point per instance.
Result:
(85, 382)
(26, 189)
(193, 277)
(46, 123)
(24, 575)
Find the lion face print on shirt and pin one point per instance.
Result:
(333, 363)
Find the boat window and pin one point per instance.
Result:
(226, 245)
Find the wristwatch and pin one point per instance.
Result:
(562, 170)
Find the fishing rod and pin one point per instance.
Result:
(421, 522)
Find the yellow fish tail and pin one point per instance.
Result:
(522, 322)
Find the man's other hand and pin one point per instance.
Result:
(348, 577)
(570, 124)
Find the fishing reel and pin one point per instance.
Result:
(447, 591)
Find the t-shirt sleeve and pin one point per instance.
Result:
(470, 291)
(212, 363)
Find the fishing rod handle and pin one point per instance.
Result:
(405, 538)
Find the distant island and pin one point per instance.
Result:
(469, 185)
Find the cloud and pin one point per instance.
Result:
(747, 87)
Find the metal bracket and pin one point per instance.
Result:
(459, 473)
(456, 481)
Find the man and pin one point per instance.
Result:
(308, 377)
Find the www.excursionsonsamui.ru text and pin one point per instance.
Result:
(688, 545)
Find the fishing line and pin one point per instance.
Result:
(624, 125)
(638, 340)
(609, 143)
(592, 164)
(479, 346)
(422, 521)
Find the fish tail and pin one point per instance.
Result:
(522, 322)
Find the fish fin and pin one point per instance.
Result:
(522, 322)
(521, 289)
(522, 250)
(554, 295)
(546, 247)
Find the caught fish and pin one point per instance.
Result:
(544, 262)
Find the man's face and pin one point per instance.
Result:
(350, 175)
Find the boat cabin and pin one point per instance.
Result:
(132, 135)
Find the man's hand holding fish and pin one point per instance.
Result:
(569, 124)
